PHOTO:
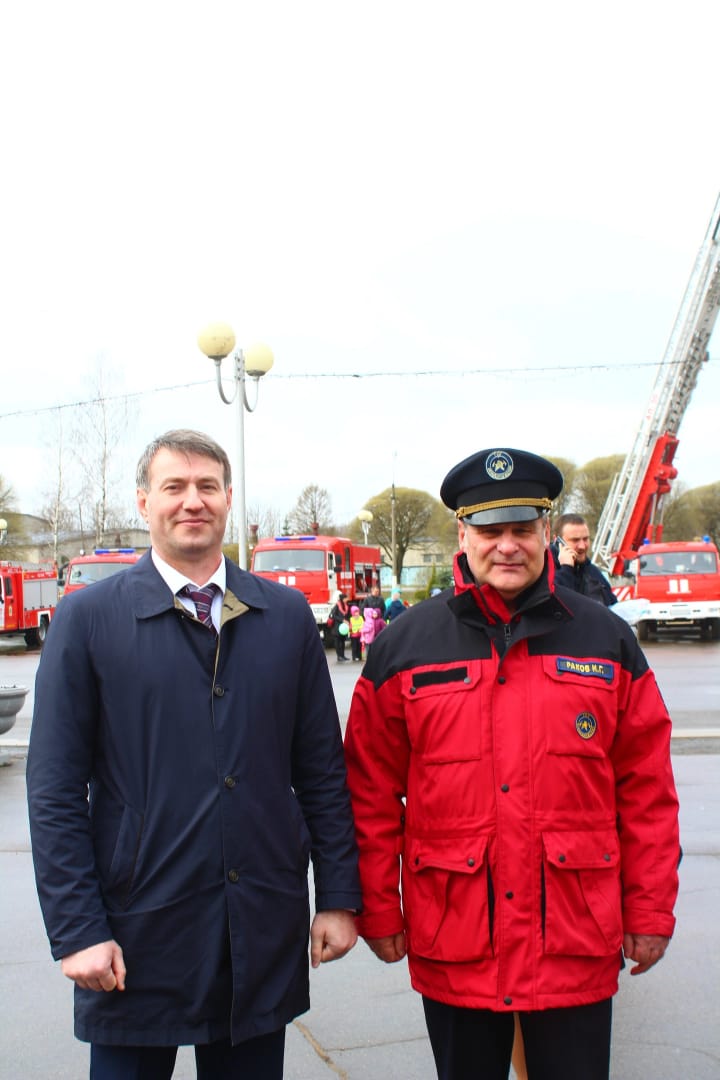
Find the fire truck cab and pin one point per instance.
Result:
(104, 562)
(319, 567)
(680, 580)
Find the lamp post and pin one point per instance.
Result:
(365, 517)
(217, 341)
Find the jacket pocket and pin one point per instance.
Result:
(441, 712)
(581, 893)
(447, 897)
(122, 867)
(582, 716)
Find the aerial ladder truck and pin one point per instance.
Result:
(633, 510)
(632, 516)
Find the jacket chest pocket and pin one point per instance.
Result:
(580, 706)
(442, 711)
(447, 897)
(581, 902)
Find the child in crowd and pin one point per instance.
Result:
(373, 623)
(356, 624)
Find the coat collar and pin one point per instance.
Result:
(151, 596)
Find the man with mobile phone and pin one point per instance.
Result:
(573, 567)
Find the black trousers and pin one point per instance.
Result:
(255, 1059)
(560, 1044)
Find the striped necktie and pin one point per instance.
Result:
(202, 598)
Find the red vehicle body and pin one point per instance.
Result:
(319, 567)
(680, 580)
(87, 569)
(28, 598)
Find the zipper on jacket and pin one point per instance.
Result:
(542, 899)
(491, 907)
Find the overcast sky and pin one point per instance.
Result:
(457, 225)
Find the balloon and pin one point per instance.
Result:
(343, 629)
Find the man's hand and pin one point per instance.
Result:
(101, 967)
(566, 555)
(332, 934)
(647, 949)
(390, 949)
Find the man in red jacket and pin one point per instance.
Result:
(508, 760)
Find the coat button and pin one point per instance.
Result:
(507, 1000)
(413, 689)
(561, 858)
(471, 862)
(218, 691)
(233, 875)
(229, 781)
(509, 895)
(606, 857)
(467, 679)
(501, 680)
(505, 788)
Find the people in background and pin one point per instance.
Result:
(373, 600)
(395, 606)
(356, 624)
(573, 568)
(340, 616)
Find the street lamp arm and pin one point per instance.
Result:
(218, 376)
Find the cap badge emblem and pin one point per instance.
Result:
(499, 465)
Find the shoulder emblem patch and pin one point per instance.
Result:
(585, 725)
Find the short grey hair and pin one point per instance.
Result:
(182, 441)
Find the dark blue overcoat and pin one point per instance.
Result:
(214, 773)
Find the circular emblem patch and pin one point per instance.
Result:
(499, 465)
(585, 725)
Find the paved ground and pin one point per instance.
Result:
(366, 1023)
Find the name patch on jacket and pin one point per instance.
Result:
(593, 669)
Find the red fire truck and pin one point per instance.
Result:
(86, 569)
(28, 598)
(680, 580)
(320, 567)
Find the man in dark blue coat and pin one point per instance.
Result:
(185, 764)
(571, 555)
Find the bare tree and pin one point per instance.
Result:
(101, 429)
(57, 510)
(264, 521)
(7, 496)
(312, 512)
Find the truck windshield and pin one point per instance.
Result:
(89, 573)
(678, 562)
(289, 559)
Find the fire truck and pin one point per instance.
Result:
(28, 598)
(630, 528)
(680, 581)
(104, 562)
(319, 567)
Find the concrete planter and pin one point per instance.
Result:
(12, 699)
